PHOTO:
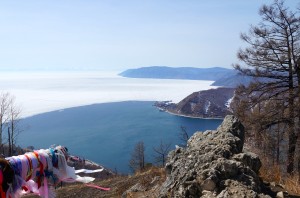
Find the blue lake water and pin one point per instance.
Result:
(107, 133)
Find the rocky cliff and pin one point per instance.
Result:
(214, 165)
(212, 103)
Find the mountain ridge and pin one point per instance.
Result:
(188, 73)
(221, 76)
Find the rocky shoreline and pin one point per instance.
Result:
(196, 117)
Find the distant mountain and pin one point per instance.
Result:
(189, 73)
(233, 80)
(212, 103)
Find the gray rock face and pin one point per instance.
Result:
(212, 103)
(213, 165)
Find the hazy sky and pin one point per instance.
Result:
(121, 34)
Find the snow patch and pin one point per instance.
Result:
(207, 105)
(193, 105)
(228, 102)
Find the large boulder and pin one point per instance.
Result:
(214, 165)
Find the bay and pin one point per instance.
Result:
(106, 133)
(84, 111)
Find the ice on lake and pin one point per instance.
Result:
(39, 92)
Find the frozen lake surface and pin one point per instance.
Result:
(39, 92)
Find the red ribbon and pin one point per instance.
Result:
(41, 169)
(2, 193)
(29, 173)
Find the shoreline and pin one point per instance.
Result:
(194, 117)
(160, 109)
(186, 116)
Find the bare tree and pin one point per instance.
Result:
(9, 142)
(272, 57)
(9, 120)
(137, 161)
(4, 106)
(13, 120)
(161, 152)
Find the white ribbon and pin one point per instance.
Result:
(88, 171)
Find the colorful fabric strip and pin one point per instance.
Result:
(34, 169)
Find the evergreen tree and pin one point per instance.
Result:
(137, 161)
(272, 57)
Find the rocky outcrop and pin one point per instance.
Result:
(214, 165)
(212, 103)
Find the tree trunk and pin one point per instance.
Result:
(1, 130)
(291, 100)
(298, 167)
(9, 142)
(291, 152)
(292, 138)
(12, 136)
(298, 111)
(278, 144)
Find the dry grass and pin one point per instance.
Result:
(272, 173)
(118, 185)
(292, 185)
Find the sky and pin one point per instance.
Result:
(114, 35)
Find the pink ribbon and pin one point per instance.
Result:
(98, 187)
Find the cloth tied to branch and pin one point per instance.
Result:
(38, 172)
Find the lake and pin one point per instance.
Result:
(107, 133)
(100, 115)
